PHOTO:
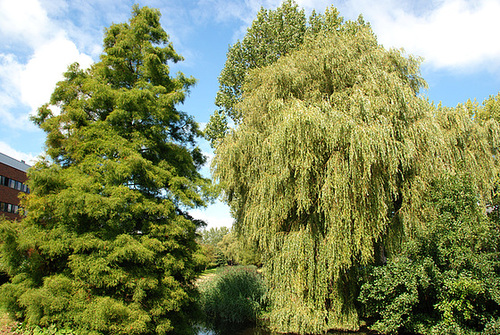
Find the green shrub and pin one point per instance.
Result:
(393, 295)
(220, 258)
(447, 278)
(36, 330)
(233, 296)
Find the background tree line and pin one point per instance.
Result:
(221, 246)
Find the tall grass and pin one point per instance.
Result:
(235, 295)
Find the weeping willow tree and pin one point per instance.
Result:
(328, 165)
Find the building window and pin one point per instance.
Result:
(17, 185)
(4, 181)
(9, 208)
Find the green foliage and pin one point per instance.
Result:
(208, 241)
(3, 270)
(213, 235)
(272, 35)
(222, 247)
(446, 280)
(221, 258)
(107, 246)
(490, 108)
(229, 247)
(391, 293)
(236, 295)
(36, 330)
(328, 165)
(248, 252)
(237, 250)
(204, 257)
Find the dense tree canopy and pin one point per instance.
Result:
(273, 34)
(327, 167)
(107, 245)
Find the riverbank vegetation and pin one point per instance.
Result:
(234, 295)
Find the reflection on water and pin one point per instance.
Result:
(253, 330)
(230, 329)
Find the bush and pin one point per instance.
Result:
(233, 296)
(446, 279)
(36, 330)
(395, 295)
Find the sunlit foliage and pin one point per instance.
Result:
(272, 35)
(107, 246)
(327, 167)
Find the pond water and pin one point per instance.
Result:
(255, 330)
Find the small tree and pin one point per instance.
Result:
(213, 235)
(106, 246)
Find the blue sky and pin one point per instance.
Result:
(458, 40)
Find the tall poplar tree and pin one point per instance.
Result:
(328, 164)
(272, 35)
(107, 245)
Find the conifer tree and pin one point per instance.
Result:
(327, 166)
(107, 246)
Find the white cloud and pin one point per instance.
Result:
(453, 34)
(6, 149)
(9, 82)
(12, 114)
(23, 20)
(29, 78)
(45, 69)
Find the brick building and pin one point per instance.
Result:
(12, 182)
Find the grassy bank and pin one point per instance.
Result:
(207, 275)
(7, 324)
